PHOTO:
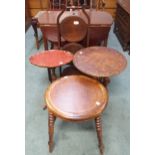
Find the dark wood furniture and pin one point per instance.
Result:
(51, 59)
(72, 98)
(27, 16)
(46, 5)
(122, 23)
(99, 62)
(74, 30)
(100, 23)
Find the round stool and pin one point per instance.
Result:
(76, 98)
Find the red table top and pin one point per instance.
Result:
(51, 58)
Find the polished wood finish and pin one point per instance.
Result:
(122, 23)
(100, 23)
(74, 30)
(51, 120)
(50, 60)
(99, 61)
(97, 18)
(98, 124)
(49, 34)
(72, 98)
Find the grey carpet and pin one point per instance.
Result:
(76, 138)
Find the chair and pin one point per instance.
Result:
(75, 31)
(48, 33)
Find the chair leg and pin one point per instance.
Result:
(99, 133)
(51, 120)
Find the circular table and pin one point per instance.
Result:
(72, 98)
(99, 62)
(51, 59)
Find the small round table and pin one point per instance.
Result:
(100, 62)
(51, 59)
(72, 98)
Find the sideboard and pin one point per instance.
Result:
(122, 23)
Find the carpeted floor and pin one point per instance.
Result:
(76, 138)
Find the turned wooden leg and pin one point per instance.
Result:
(99, 133)
(51, 120)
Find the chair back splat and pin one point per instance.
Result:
(74, 29)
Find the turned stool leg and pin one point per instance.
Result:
(51, 120)
(99, 133)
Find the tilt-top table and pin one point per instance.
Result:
(100, 62)
(51, 59)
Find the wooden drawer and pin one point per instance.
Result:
(36, 4)
(110, 4)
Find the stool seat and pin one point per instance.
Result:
(76, 98)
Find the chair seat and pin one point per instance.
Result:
(73, 98)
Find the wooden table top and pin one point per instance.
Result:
(101, 18)
(73, 98)
(51, 58)
(99, 61)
